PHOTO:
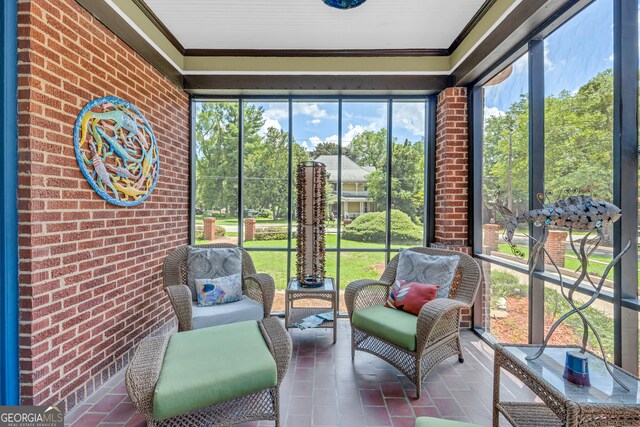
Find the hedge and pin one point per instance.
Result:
(371, 228)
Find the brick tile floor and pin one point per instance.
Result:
(324, 388)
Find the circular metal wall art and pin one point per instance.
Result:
(116, 151)
(344, 4)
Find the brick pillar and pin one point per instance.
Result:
(249, 229)
(209, 228)
(557, 246)
(452, 176)
(452, 171)
(491, 237)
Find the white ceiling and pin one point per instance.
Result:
(310, 24)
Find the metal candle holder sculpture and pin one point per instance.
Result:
(310, 255)
(575, 213)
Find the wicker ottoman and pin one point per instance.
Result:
(183, 380)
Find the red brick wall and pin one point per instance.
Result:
(452, 175)
(90, 272)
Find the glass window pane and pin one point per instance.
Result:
(274, 264)
(360, 265)
(216, 150)
(407, 173)
(315, 133)
(600, 314)
(364, 163)
(266, 172)
(507, 299)
(579, 121)
(505, 180)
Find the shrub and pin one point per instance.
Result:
(371, 228)
(271, 233)
(220, 232)
(507, 285)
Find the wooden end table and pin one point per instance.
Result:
(604, 403)
(295, 292)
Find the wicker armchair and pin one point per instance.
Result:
(259, 287)
(437, 330)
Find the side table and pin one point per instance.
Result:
(603, 403)
(295, 292)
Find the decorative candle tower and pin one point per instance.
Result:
(311, 211)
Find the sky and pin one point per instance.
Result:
(316, 122)
(573, 55)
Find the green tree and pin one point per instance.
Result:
(407, 179)
(368, 148)
(324, 149)
(216, 153)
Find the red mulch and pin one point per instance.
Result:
(514, 328)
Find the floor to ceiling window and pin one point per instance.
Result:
(551, 128)
(374, 149)
(505, 187)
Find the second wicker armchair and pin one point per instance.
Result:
(412, 344)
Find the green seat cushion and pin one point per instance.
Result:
(437, 422)
(206, 366)
(392, 325)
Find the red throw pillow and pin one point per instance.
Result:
(411, 296)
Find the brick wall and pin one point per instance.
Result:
(452, 175)
(90, 272)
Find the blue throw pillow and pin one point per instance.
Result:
(221, 290)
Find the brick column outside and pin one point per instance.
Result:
(491, 237)
(249, 229)
(209, 228)
(557, 246)
(452, 176)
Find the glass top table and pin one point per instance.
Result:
(565, 403)
(295, 314)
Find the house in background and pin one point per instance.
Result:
(355, 196)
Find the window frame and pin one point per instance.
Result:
(429, 167)
(624, 297)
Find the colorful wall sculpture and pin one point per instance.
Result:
(116, 151)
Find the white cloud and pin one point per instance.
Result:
(311, 110)
(277, 112)
(610, 58)
(353, 132)
(548, 65)
(493, 112)
(269, 123)
(315, 140)
(316, 121)
(409, 116)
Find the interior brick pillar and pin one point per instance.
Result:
(491, 236)
(249, 229)
(557, 246)
(452, 171)
(210, 228)
(452, 176)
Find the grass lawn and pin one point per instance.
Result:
(261, 221)
(571, 263)
(353, 265)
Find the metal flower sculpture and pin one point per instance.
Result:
(116, 151)
(344, 4)
(575, 213)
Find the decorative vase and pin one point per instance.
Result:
(576, 368)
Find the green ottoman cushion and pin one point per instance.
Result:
(207, 366)
(395, 326)
(437, 422)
